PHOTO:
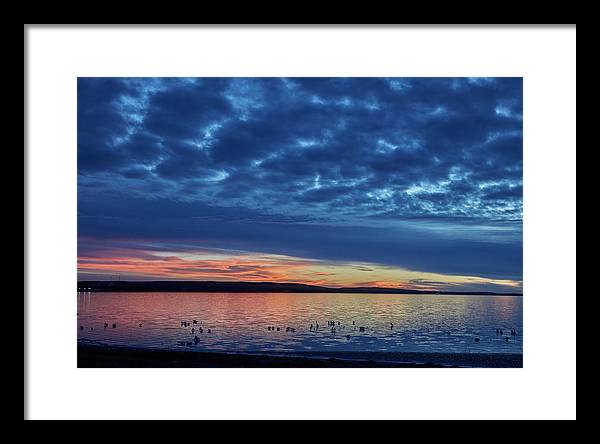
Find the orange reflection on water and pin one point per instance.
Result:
(239, 321)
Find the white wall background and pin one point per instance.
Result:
(545, 388)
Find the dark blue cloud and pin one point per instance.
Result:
(196, 226)
(335, 168)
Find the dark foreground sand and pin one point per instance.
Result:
(113, 357)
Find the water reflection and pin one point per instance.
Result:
(240, 321)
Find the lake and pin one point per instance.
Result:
(239, 322)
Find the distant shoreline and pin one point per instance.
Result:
(253, 287)
(102, 356)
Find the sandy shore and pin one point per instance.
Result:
(121, 357)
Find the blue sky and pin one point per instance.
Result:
(418, 180)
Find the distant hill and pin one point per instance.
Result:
(250, 287)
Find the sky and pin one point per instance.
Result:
(392, 182)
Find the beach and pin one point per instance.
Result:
(102, 356)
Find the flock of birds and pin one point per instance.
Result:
(194, 330)
(334, 326)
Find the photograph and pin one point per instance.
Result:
(299, 222)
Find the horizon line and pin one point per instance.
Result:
(391, 289)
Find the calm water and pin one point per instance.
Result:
(239, 321)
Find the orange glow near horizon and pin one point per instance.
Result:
(253, 267)
(235, 268)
